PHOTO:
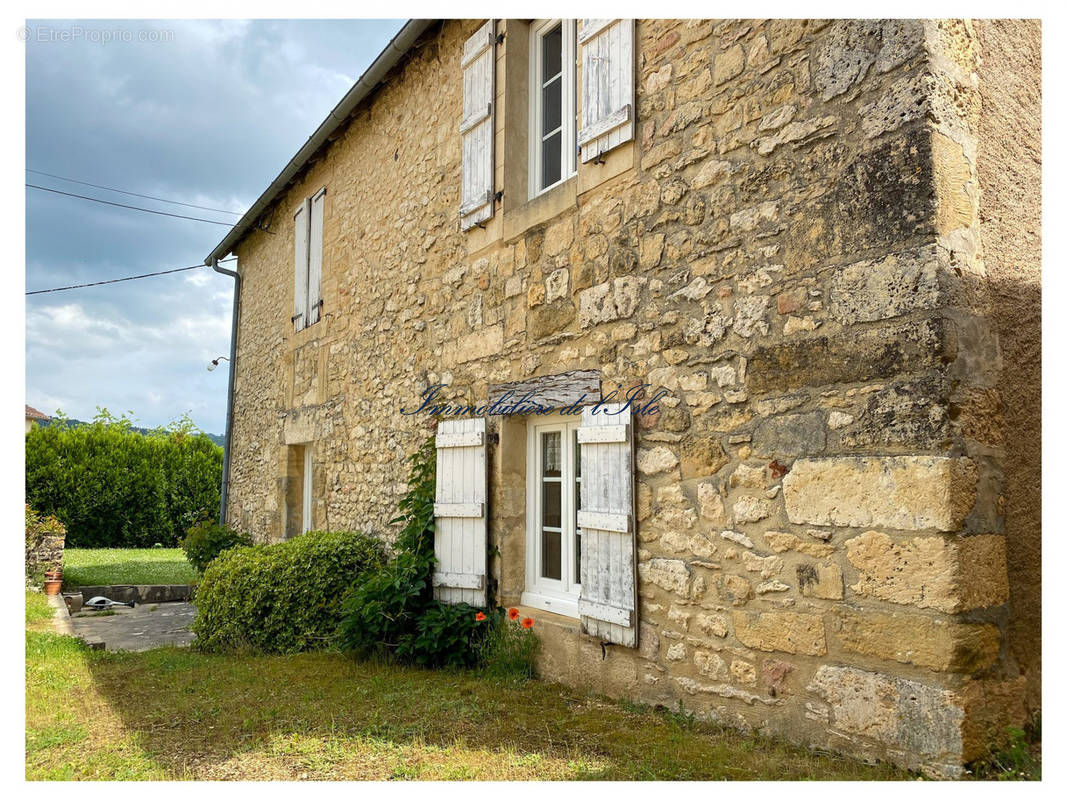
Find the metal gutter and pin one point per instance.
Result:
(376, 72)
(229, 389)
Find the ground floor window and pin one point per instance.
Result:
(553, 539)
(305, 516)
(299, 489)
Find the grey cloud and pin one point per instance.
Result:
(209, 117)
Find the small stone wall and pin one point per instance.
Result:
(156, 593)
(48, 554)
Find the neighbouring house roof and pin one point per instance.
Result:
(367, 83)
(33, 413)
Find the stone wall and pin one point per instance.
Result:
(791, 248)
(44, 551)
(1009, 172)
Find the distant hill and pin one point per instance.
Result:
(215, 437)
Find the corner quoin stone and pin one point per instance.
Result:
(905, 492)
(899, 713)
(925, 725)
(850, 357)
(786, 631)
(950, 574)
(941, 645)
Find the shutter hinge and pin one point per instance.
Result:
(500, 38)
(598, 160)
(492, 438)
(499, 196)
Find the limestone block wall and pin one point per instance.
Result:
(1009, 173)
(792, 248)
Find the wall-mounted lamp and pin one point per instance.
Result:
(215, 362)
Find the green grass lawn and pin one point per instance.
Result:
(176, 714)
(37, 610)
(132, 566)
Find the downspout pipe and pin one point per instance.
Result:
(229, 389)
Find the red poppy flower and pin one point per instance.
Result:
(479, 617)
(513, 613)
(527, 622)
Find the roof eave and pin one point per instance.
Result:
(368, 81)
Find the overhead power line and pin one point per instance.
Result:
(133, 208)
(130, 278)
(133, 194)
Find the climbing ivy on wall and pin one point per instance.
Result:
(392, 612)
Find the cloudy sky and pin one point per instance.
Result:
(208, 118)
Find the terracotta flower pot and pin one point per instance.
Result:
(53, 586)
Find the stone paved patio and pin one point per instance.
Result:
(141, 628)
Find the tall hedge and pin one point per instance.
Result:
(113, 487)
(281, 598)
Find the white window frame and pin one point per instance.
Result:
(305, 514)
(559, 596)
(569, 77)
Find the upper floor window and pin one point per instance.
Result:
(307, 261)
(553, 106)
(571, 67)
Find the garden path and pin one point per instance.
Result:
(141, 628)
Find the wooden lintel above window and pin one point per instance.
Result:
(553, 391)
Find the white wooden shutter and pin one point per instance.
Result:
(608, 602)
(301, 223)
(607, 118)
(477, 127)
(460, 512)
(314, 312)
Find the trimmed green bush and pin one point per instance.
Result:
(391, 613)
(281, 598)
(114, 487)
(382, 612)
(445, 636)
(207, 539)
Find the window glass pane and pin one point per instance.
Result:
(552, 53)
(578, 557)
(551, 516)
(550, 159)
(551, 106)
(551, 559)
(577, 456)
(551, 454)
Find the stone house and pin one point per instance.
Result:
(815, 243)
(33, 416)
